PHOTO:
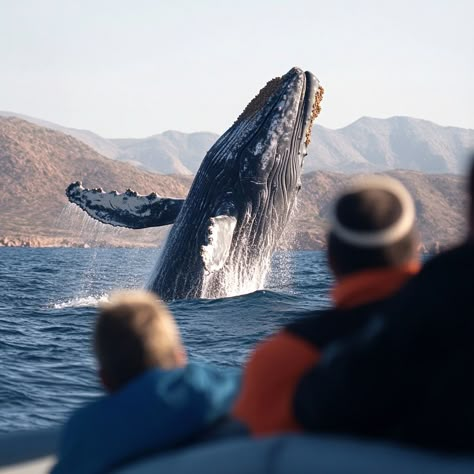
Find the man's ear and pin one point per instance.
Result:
(181, 356)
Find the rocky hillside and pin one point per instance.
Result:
(101, 145)
(367, 145)
(439, 198)
(37, 163)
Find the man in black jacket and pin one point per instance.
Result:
(409, 374)
(372, 252)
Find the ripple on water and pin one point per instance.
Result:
(48, 300)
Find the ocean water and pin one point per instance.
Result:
(48, 300)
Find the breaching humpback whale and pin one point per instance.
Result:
(240, 201)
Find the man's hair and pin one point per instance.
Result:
(134, 332)
(365, 214)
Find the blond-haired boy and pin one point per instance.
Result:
(155, 400)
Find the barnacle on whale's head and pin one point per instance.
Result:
(314, 113)
(260, 99)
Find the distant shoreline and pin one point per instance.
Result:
(60, 242)
(78, 245)
(41, 243)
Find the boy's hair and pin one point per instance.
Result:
(372, 225)
(134, 332)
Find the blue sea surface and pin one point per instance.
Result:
(48, 300)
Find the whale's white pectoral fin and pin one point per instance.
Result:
(215, 251)
(128, 209)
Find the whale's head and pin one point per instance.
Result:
(278, 123)
(265, 148)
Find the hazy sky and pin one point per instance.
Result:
(135, 68)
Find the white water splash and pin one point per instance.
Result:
(81, 302)
(95, 235)
(87, 229)
(235, 280)
(248, 270)
(281, 274)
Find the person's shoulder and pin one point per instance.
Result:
(281, 352)
(270, 376)
(448, 273)
(160, 404)
(324, 326)
(153, 389)
(461, 258)
(203, 374)
(442, 289)
(82, 416)
(79, 430)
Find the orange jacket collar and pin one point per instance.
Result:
(369, 286)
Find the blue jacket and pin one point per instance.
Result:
(153, 412)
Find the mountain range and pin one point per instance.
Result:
(366, 145)
(37, 164)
